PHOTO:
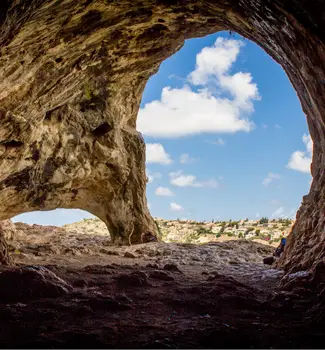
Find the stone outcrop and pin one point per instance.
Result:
(72, 75)
(7, 232)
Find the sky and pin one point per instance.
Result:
(225, 134)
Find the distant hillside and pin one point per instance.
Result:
(188, 231)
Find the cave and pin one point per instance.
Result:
(72, 76)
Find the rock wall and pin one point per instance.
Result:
(7, 232)
(72, 75)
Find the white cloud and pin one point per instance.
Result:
(175, 207)
(219, 141)
(300, 160)
(215, 60)
(278, 213)
(155, 153)
(185, 158)
(185, 181)
(182, 180)
(163, 191)
(152, 176)
(270, 178)
(184, 111)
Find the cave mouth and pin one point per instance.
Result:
(50, 130)
(252, 163)
(204, 231)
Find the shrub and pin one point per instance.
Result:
(202, 230)
(264, 220)
(250, 229)
(233, 224)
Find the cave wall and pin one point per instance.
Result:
(72, 76)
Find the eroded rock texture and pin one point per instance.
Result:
(7, 232)
(72, 74)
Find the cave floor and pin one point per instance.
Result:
(158, 295)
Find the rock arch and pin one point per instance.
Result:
(72, 75)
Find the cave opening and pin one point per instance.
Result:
(253, 155)
(60, 235)
(227, 143)
(70, 95)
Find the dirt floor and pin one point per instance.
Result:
(78, 291)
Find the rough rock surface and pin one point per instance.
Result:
(72, 74)
(7, 232)
(31, 282)
(73, 289)
(76, 291)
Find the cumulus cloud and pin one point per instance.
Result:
(155, 153)
(270, 178)
(187, 111)
(300, 160)
(175, 207)
(163, 191)
(186, 158)
(215, 60)
(182, 180)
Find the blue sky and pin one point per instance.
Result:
(226, 136)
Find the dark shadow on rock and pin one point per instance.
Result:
(31, 282)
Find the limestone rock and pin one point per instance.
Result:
(7, 232)
(8, 229)
(72, 75)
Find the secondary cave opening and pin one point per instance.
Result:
(60, 235)
(228, 146)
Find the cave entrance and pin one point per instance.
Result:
(57, 236)
(228, 147)
(56, 217)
